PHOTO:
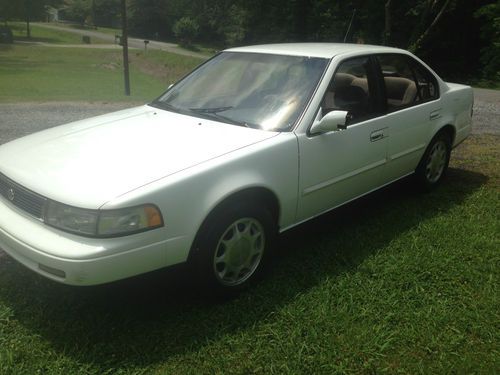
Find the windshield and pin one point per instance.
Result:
(249, 89)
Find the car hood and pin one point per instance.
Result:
(88, 163)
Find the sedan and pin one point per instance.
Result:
(253, 142)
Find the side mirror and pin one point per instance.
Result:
(334, 120)
(169, 86)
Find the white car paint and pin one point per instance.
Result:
(150, 142)
(187, 166)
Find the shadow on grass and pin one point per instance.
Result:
(145, 320)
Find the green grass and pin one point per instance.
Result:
(36, 73)
(398, 282)
(41, 34)
(107, 30)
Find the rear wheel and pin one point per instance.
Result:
(232, 249)
(434, 163)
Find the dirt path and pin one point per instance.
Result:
(132, 42)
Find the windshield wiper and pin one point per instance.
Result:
(211, 110)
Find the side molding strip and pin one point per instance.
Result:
(335, 180)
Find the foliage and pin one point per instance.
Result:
(95, 12)
(489, 16)
(24, 9)
(186, 30)
(78, 11)
(106, 13)
(432, 28)
(235, 29)
(149, 18)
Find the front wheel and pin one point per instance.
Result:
(434, 163)
(232, 249)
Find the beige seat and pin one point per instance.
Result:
(400, 91)
(362, 83)
(340, 81)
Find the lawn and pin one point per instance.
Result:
(41, 34)
(34, 73)
(107, 30)
(397, 282)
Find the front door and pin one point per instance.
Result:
(338, 166)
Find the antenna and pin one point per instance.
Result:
(350, 24)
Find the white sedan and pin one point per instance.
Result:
(253, 142)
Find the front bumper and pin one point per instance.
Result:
(76, 260)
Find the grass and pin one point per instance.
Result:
(107, 30)
(29, 73)
(41, 34)
(397, 282)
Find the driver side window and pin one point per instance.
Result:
(350, 90)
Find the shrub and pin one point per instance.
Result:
(186, 30)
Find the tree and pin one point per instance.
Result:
(489, 15)
(106, 12)
(234, 31)
(78, 10)
(431, 12)
(29, 10)
(150, 18)
(431, 28)
(186, 30)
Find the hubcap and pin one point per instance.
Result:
(435, 162)
(239, 251)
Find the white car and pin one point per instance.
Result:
(251, 143)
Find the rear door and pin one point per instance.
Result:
(412, 105)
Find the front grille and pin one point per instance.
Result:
(21, 197)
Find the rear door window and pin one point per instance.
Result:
(406, 81)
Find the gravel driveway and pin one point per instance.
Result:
(21, 119)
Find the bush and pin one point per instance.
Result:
(186, 30)
(490, 33)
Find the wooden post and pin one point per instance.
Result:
(125, 48)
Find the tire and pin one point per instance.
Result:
(434, 163)
(233, 248)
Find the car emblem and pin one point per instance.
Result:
(11, 194)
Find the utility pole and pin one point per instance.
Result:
(125, 48)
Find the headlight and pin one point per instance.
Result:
(71, 219)
(103, 223)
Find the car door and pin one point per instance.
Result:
(340, 165)
(412, 104)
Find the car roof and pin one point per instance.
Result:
(324, 50)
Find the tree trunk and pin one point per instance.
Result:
(28, 10)
(416, 45)
(387, 30)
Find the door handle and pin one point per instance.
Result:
(375, 136)
(434, 115)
